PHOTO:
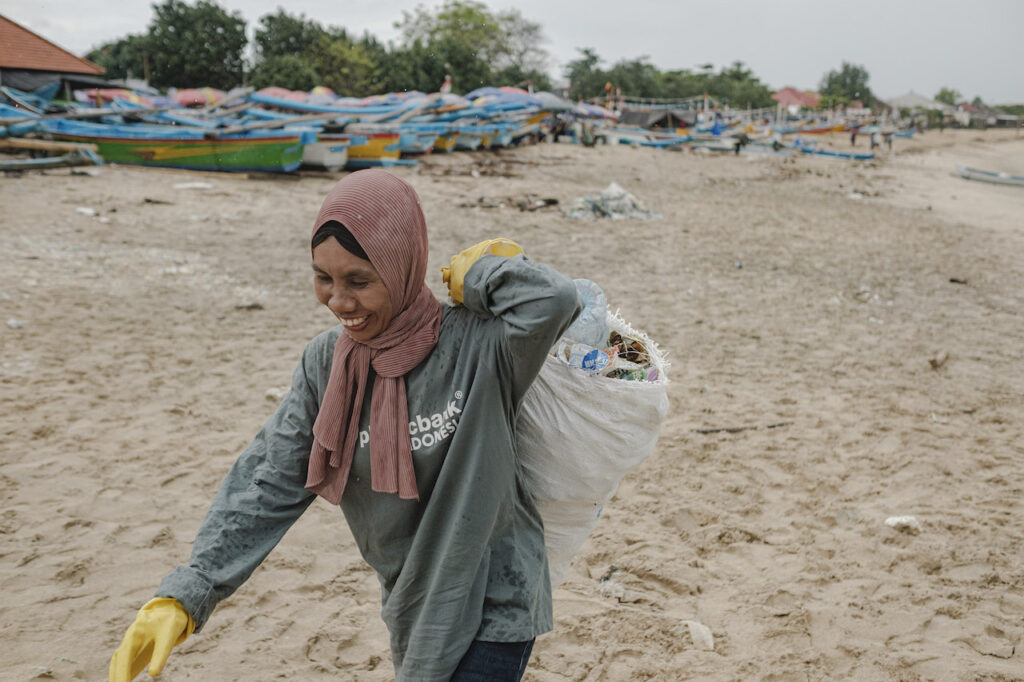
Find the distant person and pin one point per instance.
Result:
(446, 87)
(853, 136)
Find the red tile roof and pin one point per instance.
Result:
(788, 97)
(20, 48)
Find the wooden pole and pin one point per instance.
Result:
(46, 145)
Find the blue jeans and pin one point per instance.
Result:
(493, 662)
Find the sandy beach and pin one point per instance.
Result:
(845, 341)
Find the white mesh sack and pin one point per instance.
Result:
(578, 435)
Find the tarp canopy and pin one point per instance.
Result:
(658, 118)
(552, 102)
(32, 79)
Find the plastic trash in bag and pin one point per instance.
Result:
(612, 202)
(590, 327)
(574, 450)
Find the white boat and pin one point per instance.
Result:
(989, 176)
(330, 151)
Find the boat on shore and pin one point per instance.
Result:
(990, 176)
(853, 156)
(278, 151)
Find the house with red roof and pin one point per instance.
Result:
(794, 99)
(29, 61)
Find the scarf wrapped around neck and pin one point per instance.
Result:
(383, 213)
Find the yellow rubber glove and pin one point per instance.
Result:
(161, 625)
(453, 274)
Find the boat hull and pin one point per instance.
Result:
(267, 154)
(380, 149)
(991, 177)
(329, 152)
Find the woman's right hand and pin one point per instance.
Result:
(159, 626)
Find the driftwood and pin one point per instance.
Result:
(737, 429)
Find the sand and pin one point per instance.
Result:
(846, 347)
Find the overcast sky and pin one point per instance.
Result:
(975, 47)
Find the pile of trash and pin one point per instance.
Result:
(613, 202)
(590, 345)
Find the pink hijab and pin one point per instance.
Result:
(383, 213)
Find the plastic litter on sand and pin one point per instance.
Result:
(613, 202)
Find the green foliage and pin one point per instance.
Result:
(847, 84)
(196, 45)
(977, 102)
(585, 78)
(518, 77)
(345, 67)
(948, 96)
(285, 71)
(467, 24)
(123, 58)
(415, 67)
(282, 34)
(1012, 109)
(638, 78)
(635, 78)
(464, 40)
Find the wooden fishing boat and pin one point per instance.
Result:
(837, 155)
(445, 142)
(990, 176)
(179, 147)
(330, 151)
(380, 149)
(821, 129)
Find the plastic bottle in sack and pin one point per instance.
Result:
(591, 327)
(582, 356)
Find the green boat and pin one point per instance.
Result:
(194, 149)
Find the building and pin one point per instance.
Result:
(794, 100)
(29, 62)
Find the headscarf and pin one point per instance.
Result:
(383, 212)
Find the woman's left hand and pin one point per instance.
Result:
(454, 274)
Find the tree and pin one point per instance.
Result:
(585, 79)
(521, 46)
(738, 86)
(635, 77)
(456, 21)
(198, 45)
(285, 71)
(123, 58)
(463, 39)
(413, 67)
(948, 96)
(344, 66)
(515, 76)
(282, 34)
(846, 85)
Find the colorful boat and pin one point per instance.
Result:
(179, 147)
(445, 142)
(380, 149)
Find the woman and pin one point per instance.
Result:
(405, 416)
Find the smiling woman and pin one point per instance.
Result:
(348, 284)
(404, 415)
